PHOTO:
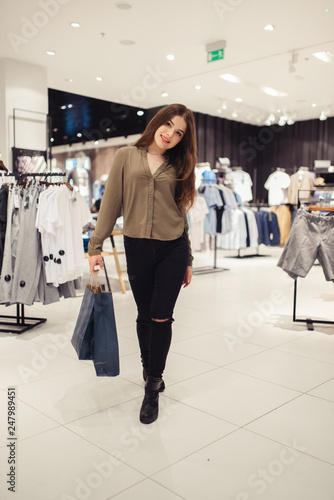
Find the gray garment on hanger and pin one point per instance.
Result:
(11, 241)
(27, 269)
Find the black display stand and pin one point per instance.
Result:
(19, 323)
(208, 269)
(309, 321)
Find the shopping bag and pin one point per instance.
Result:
(106, 352)
(95, 334)
(83, 335)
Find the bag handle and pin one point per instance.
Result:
(94, 283)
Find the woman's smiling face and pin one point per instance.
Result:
(171, 133)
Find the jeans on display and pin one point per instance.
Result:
(156, 270)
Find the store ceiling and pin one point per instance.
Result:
(137, 74)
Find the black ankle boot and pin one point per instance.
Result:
(150, 407)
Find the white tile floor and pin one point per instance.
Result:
(248, 411)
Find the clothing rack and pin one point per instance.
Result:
(21, 322)
(309, 322)
(257, 254)
(208, 269)
(42, 174)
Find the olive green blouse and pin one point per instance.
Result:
(148, 201)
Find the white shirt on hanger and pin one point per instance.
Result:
(277, 186)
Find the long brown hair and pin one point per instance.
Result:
(183, 156)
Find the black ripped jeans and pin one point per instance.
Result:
(156, 270)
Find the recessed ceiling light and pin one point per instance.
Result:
(224, 105)
(164, 94)
(127, 42)
(234, 114)
(269, 27)
(75, 25)
(170, 57)
(96, 143)
(108, 129)
(324, 56)
(99, 78)
(238, 99)
(230, 78)
(70, 106)
(197, 87)
(123, 5)
(79, 134)
(62, 107)
(323, 116)
(273, 92)
(140, 113)
(70, 80)
(52, 139)
(314, 105)
(50, 52)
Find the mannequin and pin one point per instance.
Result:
(80, 177)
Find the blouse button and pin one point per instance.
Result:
(7, 277)
(61, 252)
(22, 284)
(45, 258)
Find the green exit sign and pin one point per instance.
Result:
(216, 55)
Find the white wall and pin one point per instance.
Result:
(22, 86)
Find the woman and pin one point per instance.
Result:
(154, 182)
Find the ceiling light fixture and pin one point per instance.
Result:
(269, 27)
(323, 116)
(50, 52)
(99, 78)
(70, 106)
(273, 92)
(324, 56)
(75, 25)
(70, 80)
(164, 94)
(314, 105)
(230, 78)
(238, 99)
(234, 114)
(79, 134)
(140, 113)
(170, 57)
(96, 143)
(63, 107)
(197, 87)
(282, 120)
(293, 62)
